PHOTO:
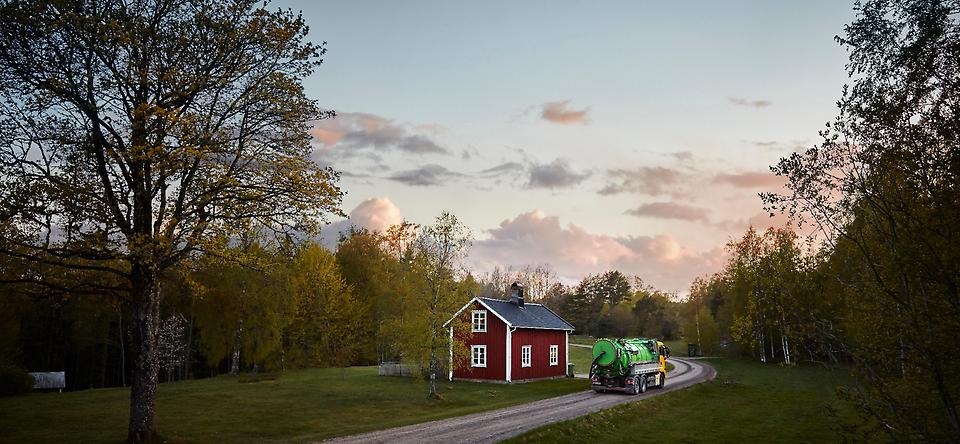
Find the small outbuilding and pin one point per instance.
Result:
(511, 341)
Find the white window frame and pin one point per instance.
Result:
(526, 355)
(474, 361)
(478, 321)
(554, 355)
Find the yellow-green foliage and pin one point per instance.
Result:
(326, 326)
(246, 297)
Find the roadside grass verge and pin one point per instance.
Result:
(302, 405)
(747, 402)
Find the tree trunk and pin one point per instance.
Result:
(433, 362)
(697, 317)
(123, 350)
(188, 352)
(146, 317)
(237, 345)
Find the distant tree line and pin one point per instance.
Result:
(605, 304)
(264, 307)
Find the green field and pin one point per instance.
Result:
(581, 359)
(748, 402)
(582, 339)
(301, 405)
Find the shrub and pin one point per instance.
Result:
(14, 381)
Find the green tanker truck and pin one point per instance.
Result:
(628, 365)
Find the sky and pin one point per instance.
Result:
(585, 135)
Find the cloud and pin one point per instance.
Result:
(427, 175)
(739, 101)
(556, 174)
(434, 128)
(751, 180)
(504, 168)
(351, 132)
(375, 214)
(652, 181)
(670, 210)
(759, 221)
(558, 112)
(683, 156)
(574, 252)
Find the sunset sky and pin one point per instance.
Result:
(590, 136)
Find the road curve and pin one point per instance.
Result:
(497, 425)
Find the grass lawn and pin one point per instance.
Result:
(747, 402)
(301, 405)
(581, 358)
(582, 339)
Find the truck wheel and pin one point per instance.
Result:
(636, 386)
(643, 384)
(663, 379)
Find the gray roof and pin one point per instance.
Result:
(530, 316)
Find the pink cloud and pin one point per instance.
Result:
(375, 214)
(559, 112)
(670, 210)
(574, 252)
(751, 180)
(358, 131)
(329, 135)
(759, 221)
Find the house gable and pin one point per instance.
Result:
(494, 340)
(481, 304)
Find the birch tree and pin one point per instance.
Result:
(438, 254)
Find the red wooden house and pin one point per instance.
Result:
(511, 340)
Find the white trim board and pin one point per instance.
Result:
(476, 299)
(509, 374)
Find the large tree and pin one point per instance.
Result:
(885, 188)
(134, 134)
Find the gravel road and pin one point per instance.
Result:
(497, 425)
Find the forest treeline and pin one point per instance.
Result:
(269, 306)
(265, 306)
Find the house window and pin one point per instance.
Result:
(479, 353)
(554, 351)
(525, 355)
(479, 321)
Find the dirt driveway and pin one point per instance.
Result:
(497, 425)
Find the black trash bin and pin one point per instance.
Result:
(692, 350)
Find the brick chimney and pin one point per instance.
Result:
(516, 294)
